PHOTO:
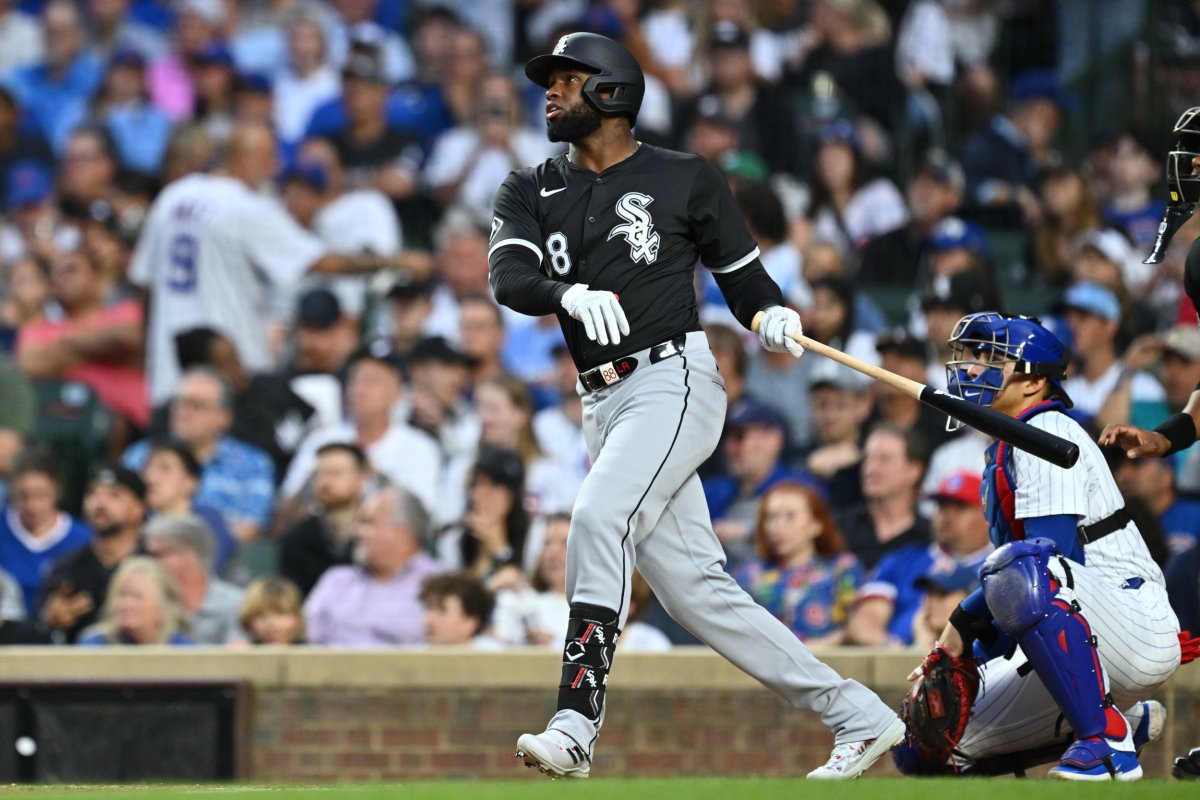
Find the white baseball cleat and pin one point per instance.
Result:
(554, 753)
(1146, 722)
(852, 759)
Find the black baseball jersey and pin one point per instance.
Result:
(637, 230)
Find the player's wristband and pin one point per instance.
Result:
(969, 626)
(1180, 431)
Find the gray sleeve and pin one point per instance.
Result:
(17, 402)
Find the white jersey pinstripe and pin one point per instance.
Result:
(1086, 490)
(1134, 624)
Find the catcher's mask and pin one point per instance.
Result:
(1183, 181)
(982, 344)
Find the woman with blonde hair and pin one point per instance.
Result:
(803, 573)
(272, 613)
(143, 607)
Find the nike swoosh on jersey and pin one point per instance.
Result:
(545, 193)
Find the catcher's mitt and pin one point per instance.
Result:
(938, 706)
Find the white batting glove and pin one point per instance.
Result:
(777, 328)
(600, 312)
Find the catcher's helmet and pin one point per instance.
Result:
(1182, 182)
(988, 340)
(614, 70)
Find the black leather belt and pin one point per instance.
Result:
(1086, 534)
(621, 368)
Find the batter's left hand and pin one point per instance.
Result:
(779, 324)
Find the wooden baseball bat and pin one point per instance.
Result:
(1035, 441)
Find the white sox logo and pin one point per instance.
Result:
(639, 232)
(561, 47)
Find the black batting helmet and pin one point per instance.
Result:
(614, 70)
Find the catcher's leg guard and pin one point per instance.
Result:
(1028, 604)
(912, 759)
(587, 657)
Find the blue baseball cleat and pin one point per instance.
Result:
(1095, 760)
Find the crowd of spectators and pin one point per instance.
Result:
(255, 388)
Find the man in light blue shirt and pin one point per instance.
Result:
(239, 478)
(56, 91)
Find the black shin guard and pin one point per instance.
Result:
(587, 657)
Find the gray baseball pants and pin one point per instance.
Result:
(642, 505)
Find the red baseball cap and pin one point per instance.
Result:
(959, 487)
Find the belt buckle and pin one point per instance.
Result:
(667, 349)
(610, 373)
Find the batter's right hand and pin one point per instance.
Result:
(600, 312)
(1136, 442)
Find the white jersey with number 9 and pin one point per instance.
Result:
(214, 253)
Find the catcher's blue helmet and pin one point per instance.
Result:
(988, 340)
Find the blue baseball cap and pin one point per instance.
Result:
(1041, 84)
(308, 173)
(252, 82)
(214, 53)
(318, 308)
(839, 130)
(948, 576)
(29, 183)
(1092, 298)
(128, 57)
(953, 233)
(752, 412)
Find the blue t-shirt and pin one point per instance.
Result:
(28, 559)
(1181, 524)
(894, 578)
(1140, 225)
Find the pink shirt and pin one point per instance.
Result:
(121, 388)
(349, 608)
(171, 88)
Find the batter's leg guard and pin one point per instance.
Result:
(1053, 632)
(587, 657)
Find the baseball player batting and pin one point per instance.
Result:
(607, 237)
(1073, 613)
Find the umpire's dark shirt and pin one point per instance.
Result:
(636, 229)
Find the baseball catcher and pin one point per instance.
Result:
(1072, 621)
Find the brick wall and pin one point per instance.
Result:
(318, 716)
(328, 734)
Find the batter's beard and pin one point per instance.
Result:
(574, 125)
